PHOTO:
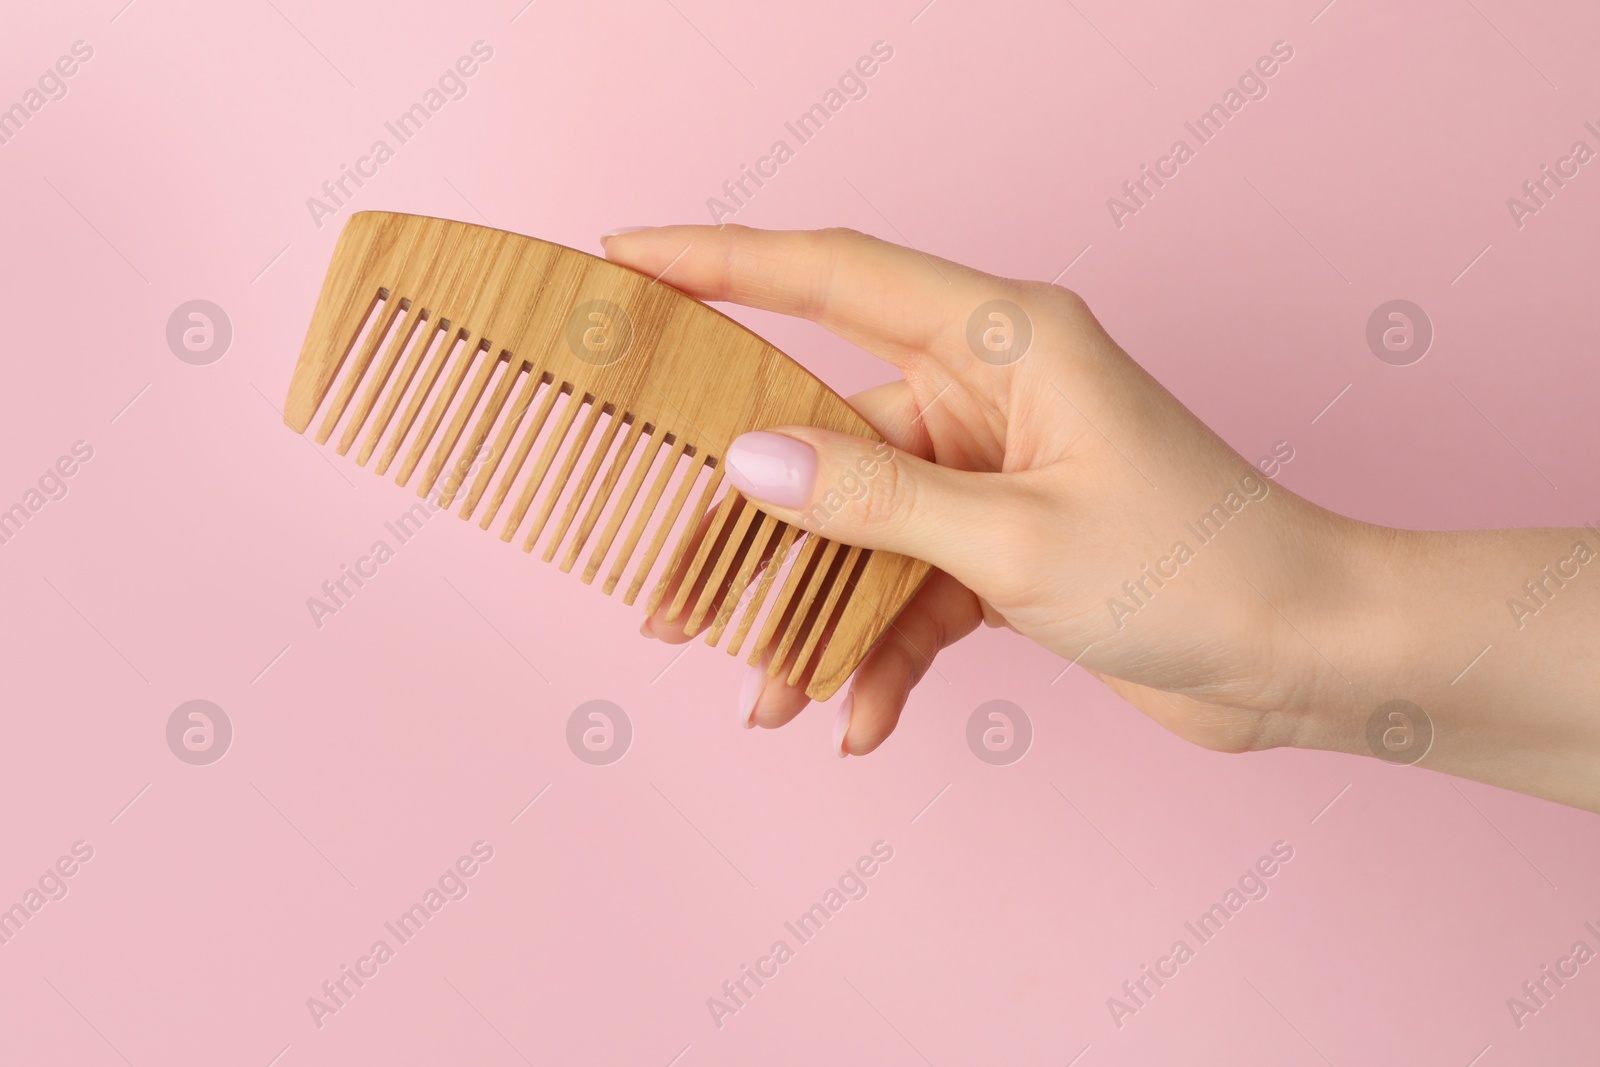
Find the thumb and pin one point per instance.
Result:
(859, 492)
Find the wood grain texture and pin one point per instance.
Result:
(416, 318)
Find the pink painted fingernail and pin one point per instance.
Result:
(624, 229)
(644, 627)
(749, 692)
(841, 724)
(772, 468)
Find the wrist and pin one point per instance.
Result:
(1339, 611)
(1423, 618)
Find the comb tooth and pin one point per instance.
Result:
(353, 377)
(781, 603)
(712, 485)
(558, 434)
(581, 490)
(425, 340)
(503, 441)
(761, 535)
(491, 412)
(732, 548)
(332, 328)
(742, 544)
(660, 536)
(557, 484)
(824, 613)
(408, 417)
(630, 441)
(698, 560)
(452, 385)
(415, 314)
(632, 540)
(768, 574)
(803, 608)
(458, 422)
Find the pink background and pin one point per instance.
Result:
(368, 755)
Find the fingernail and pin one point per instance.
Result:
(644, 627)
(624, 229)
(772, 468)
(841, 724)
(755, 680)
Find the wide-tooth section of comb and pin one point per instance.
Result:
(473, 362)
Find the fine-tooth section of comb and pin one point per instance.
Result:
(586, 409)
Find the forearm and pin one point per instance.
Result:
(1494, 634)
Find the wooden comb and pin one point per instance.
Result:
(491, 348)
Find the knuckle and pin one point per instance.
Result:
(841, 233)
(1056, 298)
(891, 496)
(815, 272)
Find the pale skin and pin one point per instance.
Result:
(1041, 488)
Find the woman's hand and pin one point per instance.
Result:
(1051, 480)
(1062, 492)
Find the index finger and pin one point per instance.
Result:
(893, 301)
